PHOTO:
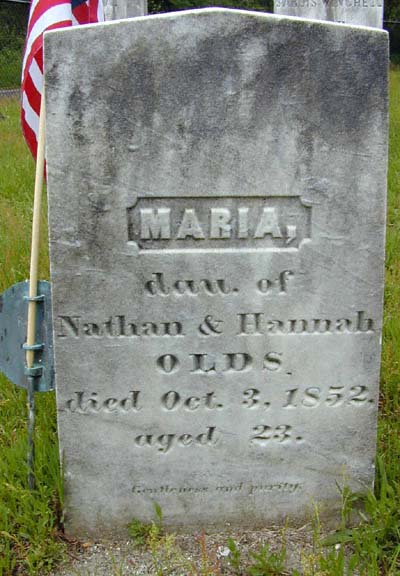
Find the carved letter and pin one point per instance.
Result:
(110, 405)
(149, 329)
(272, 361)
(343, 325)
(283, 280)
(91, 329)
(268, 224)
(243, 225)
(200, 363)
(250, 323)
(322, 326)
(72, 325)
(364, 324)
(165, 442)
(170, 400)
(192, 403)
(155, 224)
(75, 404)
(211, 403)
(132, 330)
(144, 439)
(237, 361)
(173, 329)
(190, 226)
(274, 326)
(220, 223)
(168, 363)
(264, 285)
(157, 285)
(185, 439)
(298, 326)
(215, 286)
(131, 402)
(207, 438)
(185, 287)
(108, 327)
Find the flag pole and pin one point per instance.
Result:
(33, 284)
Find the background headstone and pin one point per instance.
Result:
(360, 12)
(121, 9)
(217, 214)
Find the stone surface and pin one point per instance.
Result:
(217, 213)
(360, 12)
(121, 9)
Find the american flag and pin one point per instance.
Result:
(47, 15)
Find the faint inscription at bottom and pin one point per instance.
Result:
(249, 489)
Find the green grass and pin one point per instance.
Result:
(10, 68)
(30, 521)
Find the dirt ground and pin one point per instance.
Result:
(184, 555)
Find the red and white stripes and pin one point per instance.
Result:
(47, 15)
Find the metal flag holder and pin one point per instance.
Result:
(39, 377)
(26, 340)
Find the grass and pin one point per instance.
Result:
(30, 521)
(10, 67)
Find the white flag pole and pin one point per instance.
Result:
(37, 204)
(33, 284)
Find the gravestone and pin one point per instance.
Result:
(216, 213)
(360, 12)
(121, 9)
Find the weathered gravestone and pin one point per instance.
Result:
(217, 212)
(361, 12)
(121, 9)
